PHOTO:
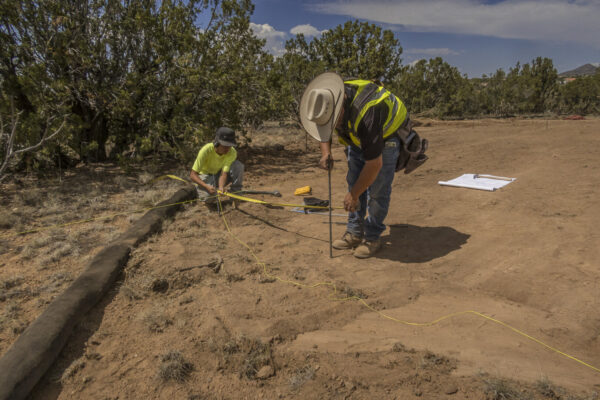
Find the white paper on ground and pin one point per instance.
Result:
(479, 181)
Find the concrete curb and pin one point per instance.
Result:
(28, 359)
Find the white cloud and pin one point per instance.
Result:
(412, 64)
(307, 30)
(275, 40)
(266, 31)
(432, 52)
(550, 20)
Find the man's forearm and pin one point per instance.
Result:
(222, 181)
(367, 176)
(196, 179)
(326, 162)
(325, 148)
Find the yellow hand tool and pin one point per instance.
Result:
(303, 190)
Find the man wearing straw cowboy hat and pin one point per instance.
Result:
(374, 126)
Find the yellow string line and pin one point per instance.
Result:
(257, 201)
(332, 296)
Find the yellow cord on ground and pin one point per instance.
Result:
(332, 296)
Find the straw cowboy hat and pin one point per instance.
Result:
(321, 105)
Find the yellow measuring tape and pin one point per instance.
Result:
(334, 294)
(250, 199)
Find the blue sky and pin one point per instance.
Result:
(477, 36)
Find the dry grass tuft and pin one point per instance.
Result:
(144, 178)
(234, 278)
(54, 204)
(174, 367)
(12, 311)
(350, 292)
(61, 251)
(51, 238)
(301, 376)
(50, 247)
(130, 292)
(98, 203)
(547, 389)
(151, 197)
(72, 369)
(156, 319)
(31, 197)
(56, 282)
(258, 355)
(9, 219)
(11, 282)
(9, 316)
(500, 389)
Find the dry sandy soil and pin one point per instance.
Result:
(175, 328)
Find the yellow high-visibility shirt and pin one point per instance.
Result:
(209, 162)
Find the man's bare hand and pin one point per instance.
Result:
(326, 162)
(211, 189)
(350, 203)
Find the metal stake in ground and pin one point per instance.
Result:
(329, 167)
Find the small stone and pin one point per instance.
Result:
(265, 372)
(451, 389)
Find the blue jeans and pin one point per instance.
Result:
(376, 199)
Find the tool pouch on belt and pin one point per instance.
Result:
(412, 149)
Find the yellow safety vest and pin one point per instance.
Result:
(369, 94)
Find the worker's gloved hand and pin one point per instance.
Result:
(326, 162)
(211, 189)
(351, 203)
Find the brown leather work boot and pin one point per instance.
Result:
(347, 242)
(367, 249)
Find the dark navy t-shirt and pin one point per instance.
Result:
(370, 131)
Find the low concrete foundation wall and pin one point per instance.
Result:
(28, 359)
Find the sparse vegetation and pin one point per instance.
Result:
(301, 376)
(156, 319)
(501, 389)
(72, 370)
(347, 291)
(49, 247)
(8, 219)
(547, 389)
(11, 283)
(174, 367)
(257, 355)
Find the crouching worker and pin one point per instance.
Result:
(216, 166)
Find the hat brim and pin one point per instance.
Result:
(334, 83)
(226, 143)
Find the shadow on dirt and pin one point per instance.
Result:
(275, 159)
(416, 244)
(272, 225)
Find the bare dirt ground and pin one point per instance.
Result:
(173, 328)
